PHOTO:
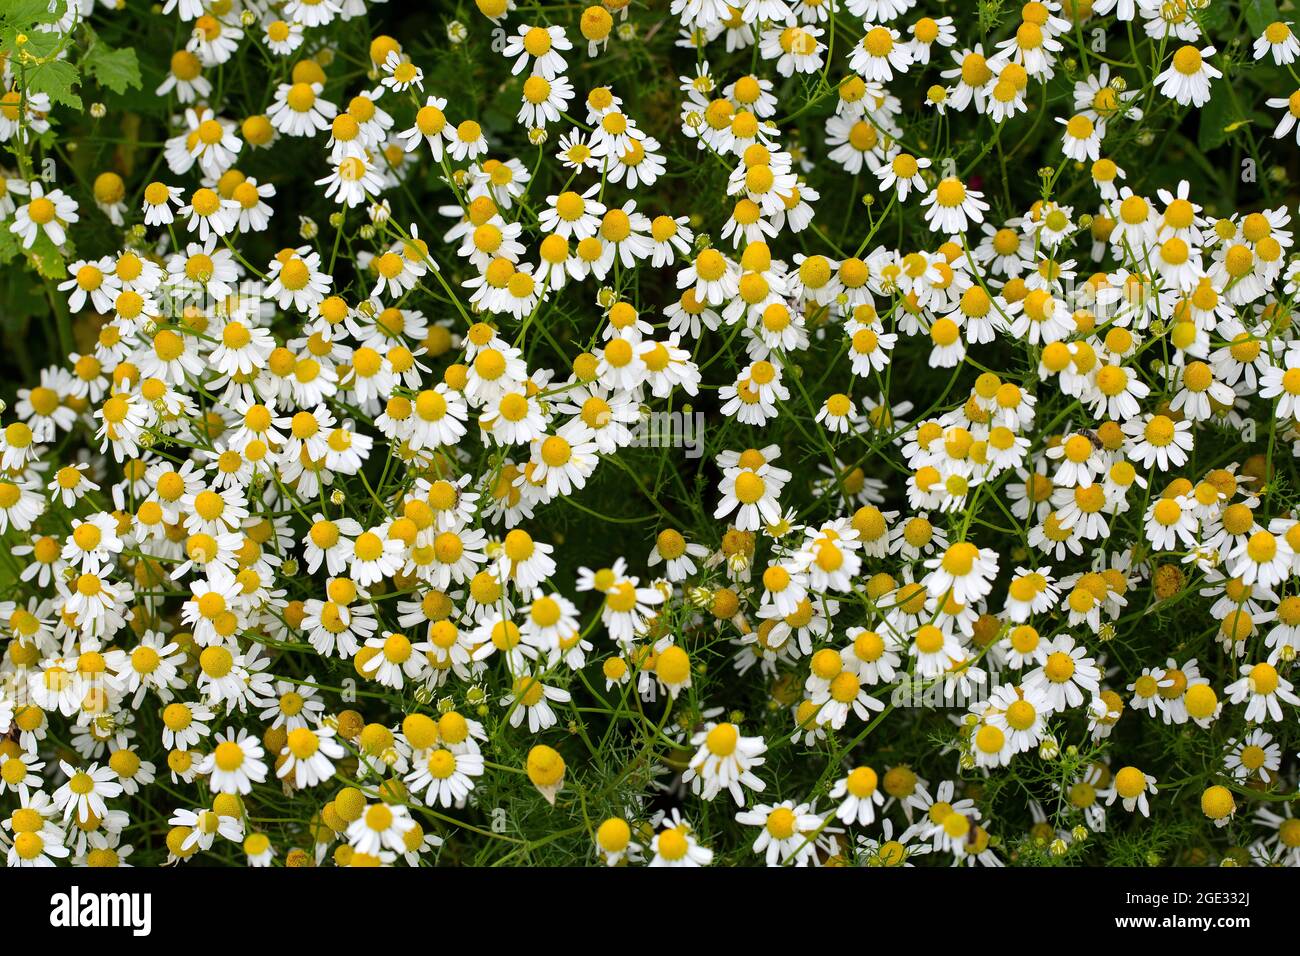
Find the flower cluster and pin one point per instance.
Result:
(336, 531)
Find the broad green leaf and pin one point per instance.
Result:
(1218, 118)
(22, 13)
(56, 79)
(116, 70)
(36, 46)
(47, 259)
(1259, 14)
(1214, 17)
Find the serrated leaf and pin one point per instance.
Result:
(25, 12)
(117, 70)
(47, 259)
(55, 79)
(36, 44)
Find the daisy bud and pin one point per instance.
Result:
(1167, 581)
(724, 604)
(457, 32)
(627, 30)
(348, 723)
(289, 567)
(546, 770)
(1049, 749)
(248, 18)
(366, 232)
(1059, 847)
(336, 220)
(537, 136)
(1218, 805)
(1080, 832)
(699, 597)
(1145, 138)
(337, 497)
(307, 228)
(98, 110)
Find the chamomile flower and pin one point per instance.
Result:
(860, 796)
(44, 213)
(85, 792)
(1263, 690)
(1067, 676)
(235, 763)
(540, 46)
(309, 754)
(1187, 79)
(676, 845)
(1131, 786)
(298, 109)
(951, 207)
